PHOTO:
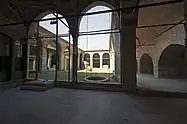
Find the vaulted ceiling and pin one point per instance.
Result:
(166, 14)
(25, 10)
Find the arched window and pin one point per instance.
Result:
(49, 53)
(96, 60)
(106, 60)
(87, 57)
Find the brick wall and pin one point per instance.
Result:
(176, 35)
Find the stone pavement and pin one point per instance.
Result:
(67, 106)
(152, 83)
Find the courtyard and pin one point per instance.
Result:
(63, 75)
(144, 81)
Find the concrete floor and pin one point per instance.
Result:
(66, 106)
(150, 82)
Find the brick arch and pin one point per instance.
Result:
(146, 64)
(171, 63)
(174, 36)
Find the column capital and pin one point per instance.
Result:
(74, 27)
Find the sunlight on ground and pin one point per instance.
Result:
(96, 70)
(63, 75)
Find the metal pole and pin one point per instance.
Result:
(80, 34)
(56, 63)
(60, 20)
(106, 31)
(160, 25)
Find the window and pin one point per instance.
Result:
(106, 60)
(96, 60)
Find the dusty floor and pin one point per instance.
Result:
(66, 106)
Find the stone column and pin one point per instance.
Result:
(25, 52)
(44, 58)
(41, 57)
(13, 57)
(78, 62)
(74, 28)
(75, 58)
(91, 60)
(34, 64)
(27, 47)
(128, 49)
(101, 60)
(71, 62)
(49, 60)
(185, 27)
(62, 59)
(112, 62)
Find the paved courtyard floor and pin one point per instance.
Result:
(67, 106)
(144, 81)
(150, 82)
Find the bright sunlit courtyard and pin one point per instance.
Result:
(63, 75)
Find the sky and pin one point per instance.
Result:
(88, 23)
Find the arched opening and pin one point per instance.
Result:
(99, 34)
(106, 60)
(86, 60)
(146, 64)
(81, 61)
(87, 57)
(96, 60)
(172, 62)
(50, 48)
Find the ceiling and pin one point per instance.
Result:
(24, 10)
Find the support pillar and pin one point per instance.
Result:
(91, 60)
(78, 60)
(37, 51)
(26, 53)
(62, 59)
(44, 57)
(112, 62)
(34, 64)
(74, 28)
(185, 27)
(12, 61)
(49, 61)
(101, 60)
(128, 49)
(75, 58)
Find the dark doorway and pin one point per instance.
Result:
(146, 64)
(172, 62)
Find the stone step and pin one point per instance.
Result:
(37, 85)
(34, 88)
